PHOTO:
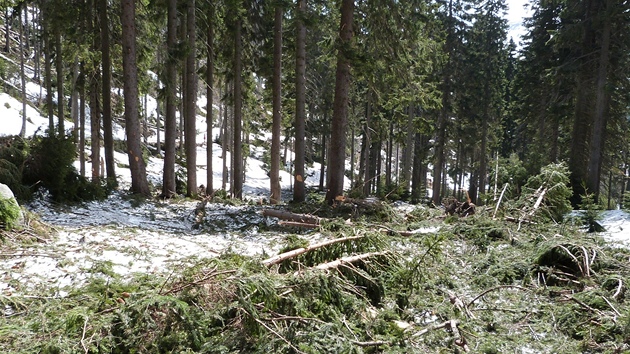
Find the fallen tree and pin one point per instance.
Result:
(289, 216)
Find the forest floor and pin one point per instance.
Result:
(125, 274)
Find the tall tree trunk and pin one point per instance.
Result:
(210, 97)
(82, 122)
(225, 142)
(408, 150)
(60, 93)
(277, 107)
(108, 137)
(390, 154)
(440, 139)
(352, 157)
(237, 152)
(582, 123)
(74, 99)
(36, 46)
(601, 111)
(169, 188)
(7, 30)
(22, 74)
(339, 126)
(416, 183)
(299, 190)
(364, 174)
(191, 103)
(48, 78)
(322, 171)
(139, 184)
(372, 175)
(483, 154)
(95, 106)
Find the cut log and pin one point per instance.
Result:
(349, 259)
(288, 216)
(296, 252)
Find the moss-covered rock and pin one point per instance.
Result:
(10, 212)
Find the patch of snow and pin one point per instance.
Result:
(617, 225)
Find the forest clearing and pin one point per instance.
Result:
(314, 176)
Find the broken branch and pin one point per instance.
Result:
(296, 252)
(349, 259)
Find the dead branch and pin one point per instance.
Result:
(581, 303)
(459, 304)
(288, 216)
(520, 221)
(499, 202)
(579, 264)
(619, 287)
(296, 252)
(611, 306)
(452, 325)
(207, 276)
(459, 339)
(349, 259)
(434, 327)
(85, 323)
(538, 201)
(375, 343)
(361, 202)
(274, 332)
(493, 289)
(389, 231)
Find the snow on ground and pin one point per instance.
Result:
(127, 236)
(617, 225)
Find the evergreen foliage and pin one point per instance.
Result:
(51, 166)
(553, 181)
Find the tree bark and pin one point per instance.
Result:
(299, 190)
(210, 97)
(108, 135)
(74, 99)
(82, 122)
(339, 126)
(601, 111)
(582, 123)
(169, 188)
(237, 153)
(60, 83)
(225, 142)
(7, 31)
(139, 182)
(95, 112)
(277, 107)
(408, 150)
(322, 171)
(390, 154)
(48, 75)
(22, 74)
(191, 103)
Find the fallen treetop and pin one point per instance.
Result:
(296, 252)
(349, 259)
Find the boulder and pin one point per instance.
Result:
(10, 211)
